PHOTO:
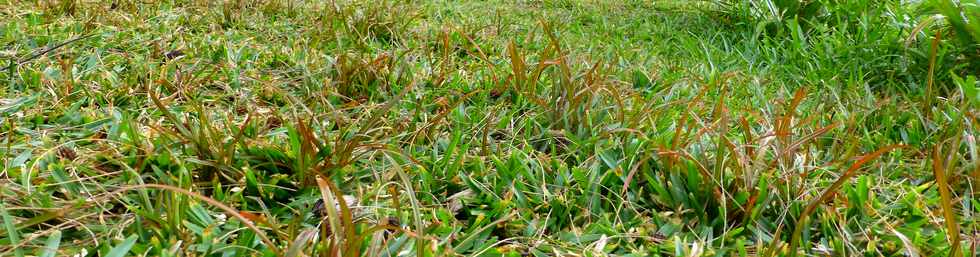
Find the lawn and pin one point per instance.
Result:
(489, 128)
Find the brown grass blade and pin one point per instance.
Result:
(784, 124)
(338, 222)
(949, 215)
(518, 65)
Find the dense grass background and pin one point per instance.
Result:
(489, 128)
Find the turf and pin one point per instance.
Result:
(489, 128)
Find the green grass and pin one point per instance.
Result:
(488, 128)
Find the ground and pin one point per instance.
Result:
(486, 128)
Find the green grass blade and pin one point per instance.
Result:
(8, 224)
(122, 249)
(51, 247)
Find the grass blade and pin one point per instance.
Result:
(51, 247)
(952, 227)
(416, 214)
(296, 248)
(332, 217)
(8, 224)
(122, 249)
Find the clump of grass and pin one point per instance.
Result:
(575, 101)
(827, 193)
(367, 22)
(209, 141)
(359, 78)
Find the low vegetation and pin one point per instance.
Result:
(489, 128)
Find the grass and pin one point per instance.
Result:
(488, 128)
